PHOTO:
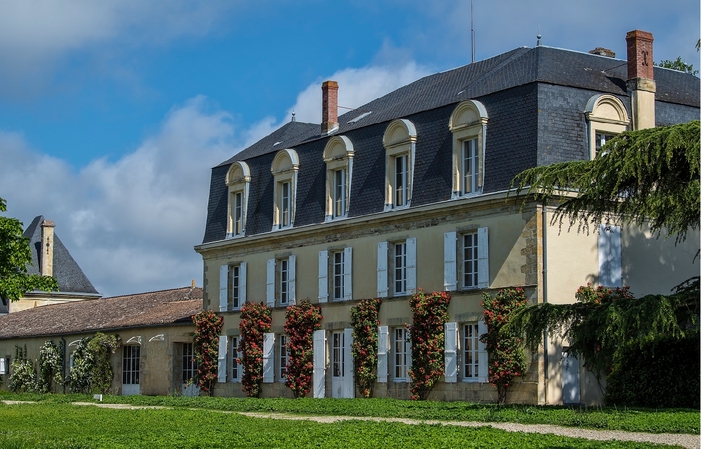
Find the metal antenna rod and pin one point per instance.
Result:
(472, 30)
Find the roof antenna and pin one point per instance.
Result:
(472, 31)
(538, 36)
(293, 116)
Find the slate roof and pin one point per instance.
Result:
(106, 314)
(68, 274)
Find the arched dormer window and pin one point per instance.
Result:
(399, 141)
(468, 123)
(606, 116)
(338, 156)
(284, 170)
(238, 180)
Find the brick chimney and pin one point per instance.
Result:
(329, 107)
(641, 83)
(46, 259)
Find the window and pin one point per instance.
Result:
(284, 170)
(337, 355)
(281, 281)
(284, 359)
(238, 180)
(189, 363)
(232, 287)
(468, 124)
(606, 117)
(399, 141)
(335, 275)
(130, 364)
(402, 354)
(466, 259)
(236, 368)
(474, 366)
(338, 156)
(396, 267)
(609, 246)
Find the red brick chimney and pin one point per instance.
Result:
(329, 107)
(641, 83)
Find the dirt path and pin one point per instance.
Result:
(684, 440)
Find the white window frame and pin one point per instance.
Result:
(605, 115)
(399, 141)
(455, 263)
(284, 169)
(338, 157)
(389, 273)
(236, 369)
(189, 364)
(399, 265)
(338, 359)
(473, 353)
(335, 275)
(232, 287)
(468, 125)
(131, 372)
(401, 187)
(284, 357)
(401, 345)
(238, 180)
(281, 281)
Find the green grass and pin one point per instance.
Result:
(631, 420)
(52, 424)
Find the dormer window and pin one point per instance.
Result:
(338, 156)
(238, 180)
(400, 144)
(606, 117)
(468, 123)
(284, 170)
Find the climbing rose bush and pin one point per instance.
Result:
(208, 326)
(300, 323)
(507, 359)
(50, 366)
(255, 321)
(364, 320)
(430, 313)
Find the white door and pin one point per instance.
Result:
(570, 378)
(130, 369)
(338, 365)
(189, 371)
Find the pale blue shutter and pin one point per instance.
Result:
(382, 367)
(323, 276)
(319, 375)
(482, 258)
(223, 287)
(482, 355)
(292, 284)
(347, 274)
(382, 286)
(411, 265)
(451, 352)
(348, 381)
(450, 250)
(270, 283)
(268, 357)
(242, 283)
(221, 359)
(610, 256)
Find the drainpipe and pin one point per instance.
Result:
(65, 351)
(545, 288)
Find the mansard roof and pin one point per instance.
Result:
(68, 274)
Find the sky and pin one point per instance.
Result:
(113, 113)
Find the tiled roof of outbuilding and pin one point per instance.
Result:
(118, 312)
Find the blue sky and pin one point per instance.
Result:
(113, 112)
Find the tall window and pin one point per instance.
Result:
(280, 282)
(282, 341)
(338, 276)
(401, 354)
(470, 351)
(338, 156)
(470, 166)
(283, 281)
(285, 206)
(235, 355)
(399, 268)
(400, 180)
(470, 260)
(339, 193)
(337, 355)
(238, 180)
(238, 213)
(234, 287)
(130, 364)
(284, 169)
(335, 276)
(189, 363)
(606, 117)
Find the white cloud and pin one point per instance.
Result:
(130, 224)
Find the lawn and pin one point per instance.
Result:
(56, 424)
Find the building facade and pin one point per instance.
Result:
(412, 190)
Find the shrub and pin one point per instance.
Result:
(364, 319)
(92, 369)
(507, 360)
(661, 373)
(300, 323)
(255, 321)
(23, 377)
(50, 366)
(205, 341)
(430, 313)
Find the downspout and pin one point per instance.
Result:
(65, 351)
(544, 223)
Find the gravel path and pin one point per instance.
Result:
(683, 440)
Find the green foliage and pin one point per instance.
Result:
(92, 368)
(659, 373)
(430, 313)
(205, 340)
(646, 175)
(15, 255)
(364, 320)
(300, 323)
(255, 321)
(23, 377)
(50, 366)
(678, 64)
(507, 360)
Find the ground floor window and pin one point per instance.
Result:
(130, 364)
